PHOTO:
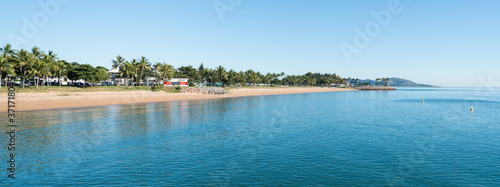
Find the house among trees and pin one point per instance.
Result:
(177, 82)
(37, 68)
(114, 73)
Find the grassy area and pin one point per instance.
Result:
(49, 89)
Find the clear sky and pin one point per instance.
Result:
(445, 43)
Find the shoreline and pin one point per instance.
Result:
(60, 100)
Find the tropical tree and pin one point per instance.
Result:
(268, 78)
(377, 81)
(134, 66)
(72, 72)
(257, 77)
(188, 72)
(45, 67)
(231, 76)
(23, 59)
(250, 76)
(386, 81)
(117, 63)
(144, 65)
(222, 74)
(167, 71)
(7, 51)
(5, 67)
(85, 72)
(36, 70)
(157, 72)
(201, 71)
(127, 70)
(60, 68)
(100, 74)
(51, 63)
(35, 65)
(209, 73)
(241, 78)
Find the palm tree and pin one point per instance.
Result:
(45, 67)
(201, 71)
(118, 62)
(232, 76)
(168, 71)
(258, 77)
(60, 67)
(268, 78)
(127, 69)
(135, 67)
(23, 59)
(158, 74)
(384, 81)
(36, 54)
(222, 73)
(209, 73)
(241, 78)
(144, 65)
(51, 62)
(7, 51)
(34, 71)
(7, 67)
(250, 76)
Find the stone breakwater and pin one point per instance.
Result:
(208, 90)
(375, 88)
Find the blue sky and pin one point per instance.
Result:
(446, 43)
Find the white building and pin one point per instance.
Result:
(114, 73)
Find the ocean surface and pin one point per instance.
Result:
(358, 138)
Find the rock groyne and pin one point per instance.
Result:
(206, 90)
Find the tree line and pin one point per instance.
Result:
(137, 70)
(37, 66)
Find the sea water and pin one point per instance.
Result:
(338, 138)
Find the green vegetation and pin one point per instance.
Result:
(172, 90)
(37, 67)
(397, 82)
(69, 89)
(251, 78)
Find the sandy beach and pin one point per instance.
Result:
(53, 100)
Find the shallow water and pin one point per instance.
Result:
(336, 138)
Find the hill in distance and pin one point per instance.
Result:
(399, 82)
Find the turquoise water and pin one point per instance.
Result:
(337, 138)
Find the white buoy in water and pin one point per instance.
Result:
(471, 108)
(423, 101)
